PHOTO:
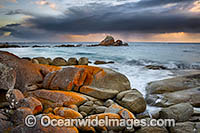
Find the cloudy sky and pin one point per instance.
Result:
(92, 20)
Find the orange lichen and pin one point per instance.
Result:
(52, 116)
(73, 98)
(48, 110)
(37, 109)
(126, 114)
(87, 129)
(92, 72)
(50, 67)
(67, 113)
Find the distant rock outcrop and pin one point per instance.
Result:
(110, 41)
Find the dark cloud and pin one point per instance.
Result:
(152, 3)
(18, 12)
(97, 18)
(20, 31)
(102, 18)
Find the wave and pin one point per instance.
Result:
(171, 65)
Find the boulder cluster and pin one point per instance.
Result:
(59, 61)
(78, 91)
(177, 97)
(82, 91)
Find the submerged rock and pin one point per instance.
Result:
(155, 67)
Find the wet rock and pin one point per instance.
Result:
(67, 113)
(7, 77)
(108, 41)
(68, 45)
(39, 46)
(42, 60)
(98, 62)
(132, 100)
(54, 99)
(155, 67)
(180, 112)
(9, 46)
(59, 62)
(83, 61)
(32, 103)
(169, 99)
(13, 97)
(174, 84)
(72, 61)
(29, 75)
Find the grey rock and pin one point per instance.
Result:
(132, 100)
(185, 127)
(83, 61)
(174, 84)
(72, 61)
(180, 112)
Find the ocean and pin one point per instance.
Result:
(129, 61)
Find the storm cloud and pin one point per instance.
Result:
(145, 16)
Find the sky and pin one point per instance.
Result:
(92, 20)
